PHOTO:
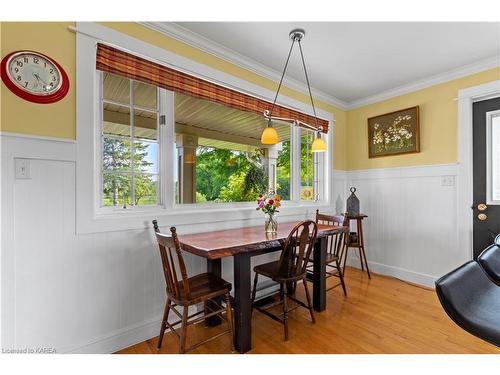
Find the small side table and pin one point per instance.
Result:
(356, 240)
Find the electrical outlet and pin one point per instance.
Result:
(22, 167)
(447, 180)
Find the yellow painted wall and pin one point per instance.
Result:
(438, 124)
(438, 120)
(20, 116)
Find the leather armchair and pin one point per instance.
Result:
(472, 301)
(489, 259)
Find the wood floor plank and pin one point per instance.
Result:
(382, 315)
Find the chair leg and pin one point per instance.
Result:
(164, 323)
(345, 259)
(285, 311)
(341, 276)
(308, 297)
(254, 291)
(229, 316)
(182, 343)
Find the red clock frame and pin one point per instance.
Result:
(40, 99)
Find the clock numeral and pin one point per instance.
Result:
(45, 64)
(35, 60)
(26, 84)
(53, 78)
(26, 60)
(16, 70)
(51, 71)
(19, 63)
(19, 78)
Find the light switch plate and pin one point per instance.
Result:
(447, 180)
(22, 168)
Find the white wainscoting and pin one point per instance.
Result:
(411, 230)
(83, 293)
(100, 292)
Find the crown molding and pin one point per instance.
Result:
(206, 45)
(450, 75)
(198, 41)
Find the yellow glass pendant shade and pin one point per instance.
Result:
(269, 136)
(319, 145)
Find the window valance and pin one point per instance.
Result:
(121, 63)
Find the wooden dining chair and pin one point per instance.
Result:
(336, 246)
(288, 270)
(204, 288)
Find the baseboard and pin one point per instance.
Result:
(120, 339)
(397, 272)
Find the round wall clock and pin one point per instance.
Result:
(34, 77)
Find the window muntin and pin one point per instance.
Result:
(308, 166)
(129, 143)
(284, 161)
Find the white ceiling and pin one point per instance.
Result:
(352, 61)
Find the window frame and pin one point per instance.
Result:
(160, 111)
(489, 156)
(91, 219)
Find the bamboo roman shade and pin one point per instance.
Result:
(121, 63)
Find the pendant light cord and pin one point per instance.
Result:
(308, 85)
(282, 76)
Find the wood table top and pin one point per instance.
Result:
(223, 243)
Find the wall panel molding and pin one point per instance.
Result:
(412, 226)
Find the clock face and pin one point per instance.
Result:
(34, 73)
(34, 77)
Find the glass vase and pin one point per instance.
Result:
(271, 223)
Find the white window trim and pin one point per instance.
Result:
(489, 151)
(91, 220)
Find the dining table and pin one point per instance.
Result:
(243, 243)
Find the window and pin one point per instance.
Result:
(127, 154)
(130, 143)
(493, 149)
(217, 154)
(219, 157)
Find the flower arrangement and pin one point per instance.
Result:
(269, 203)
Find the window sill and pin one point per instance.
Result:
(228, 215)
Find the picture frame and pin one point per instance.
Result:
(394, 133)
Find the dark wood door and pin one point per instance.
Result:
(486, 172)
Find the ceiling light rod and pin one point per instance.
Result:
(267, 116)
(269, 135)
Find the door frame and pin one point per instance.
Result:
(465, 220)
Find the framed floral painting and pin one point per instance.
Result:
(394, 133)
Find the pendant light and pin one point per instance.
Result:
(269, 134)
(319, 145)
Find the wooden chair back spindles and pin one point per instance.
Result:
(336, 242)
(297, 249)
(289, 270)
(336, 246)
(173, 264)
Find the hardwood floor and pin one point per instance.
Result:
(382, 315)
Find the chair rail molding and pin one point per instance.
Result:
(466, 98)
